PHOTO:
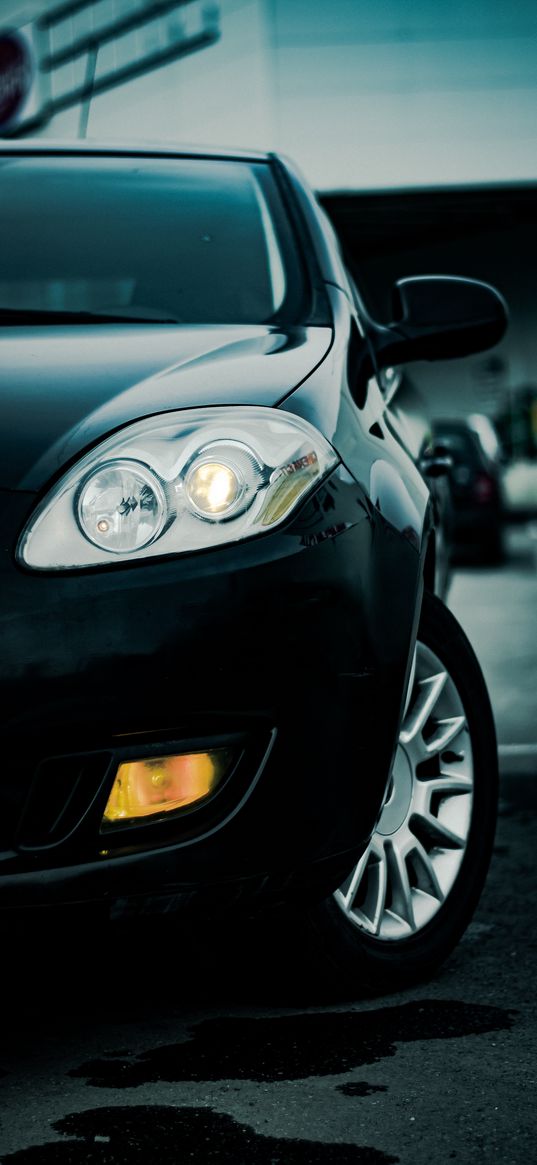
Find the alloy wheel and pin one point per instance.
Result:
(417, 849)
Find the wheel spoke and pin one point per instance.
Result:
(425, 864)
(438, 832)
(445, 731)
(429, 691)
(444, 786)
(349, 893)
(401, 890)
(449, 784)
(368, 883)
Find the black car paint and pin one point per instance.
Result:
(78, 384)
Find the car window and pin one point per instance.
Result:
(186, 240)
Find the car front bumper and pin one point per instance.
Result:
(292, 649)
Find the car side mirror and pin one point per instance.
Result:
(440, 317)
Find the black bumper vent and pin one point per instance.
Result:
(64, 788)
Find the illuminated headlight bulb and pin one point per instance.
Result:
(121, 506)
(222, 480)
(213, 489)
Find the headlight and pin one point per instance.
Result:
(121, 507)
(176, 483)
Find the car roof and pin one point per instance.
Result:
(127, 149)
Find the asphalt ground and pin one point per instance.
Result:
(150, 1043)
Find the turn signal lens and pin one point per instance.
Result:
(164, 784)
(286, 486)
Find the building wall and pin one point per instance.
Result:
(362, 93)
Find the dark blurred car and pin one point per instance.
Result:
(477, 502)
(225, 677)
(409, 420)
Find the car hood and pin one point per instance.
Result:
(62, 389)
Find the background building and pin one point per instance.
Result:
(363, 93)
(432, 107)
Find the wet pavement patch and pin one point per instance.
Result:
(197, 1136)
(292, 1047)
(360, 1088)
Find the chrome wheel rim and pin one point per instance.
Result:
(416, 852)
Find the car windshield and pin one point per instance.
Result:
(136, 239)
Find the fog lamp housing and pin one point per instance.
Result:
(157, 786)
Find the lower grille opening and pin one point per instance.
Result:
(63, 789)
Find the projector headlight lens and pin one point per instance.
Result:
(213, 489)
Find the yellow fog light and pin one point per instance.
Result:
(162, 784)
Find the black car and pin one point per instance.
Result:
(477, 497)
(225, 677)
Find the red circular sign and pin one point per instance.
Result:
(16, 75)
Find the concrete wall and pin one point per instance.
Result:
(362, 93)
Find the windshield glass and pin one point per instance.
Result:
(145, 239)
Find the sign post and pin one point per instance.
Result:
(17, 71)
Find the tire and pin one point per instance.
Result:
(408, 901)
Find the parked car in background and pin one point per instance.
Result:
(226, 680)
(409, 421)
(477, 495)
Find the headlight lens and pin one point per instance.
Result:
(121, 507)
(222, 480)
(177, 483)
(213, 489)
